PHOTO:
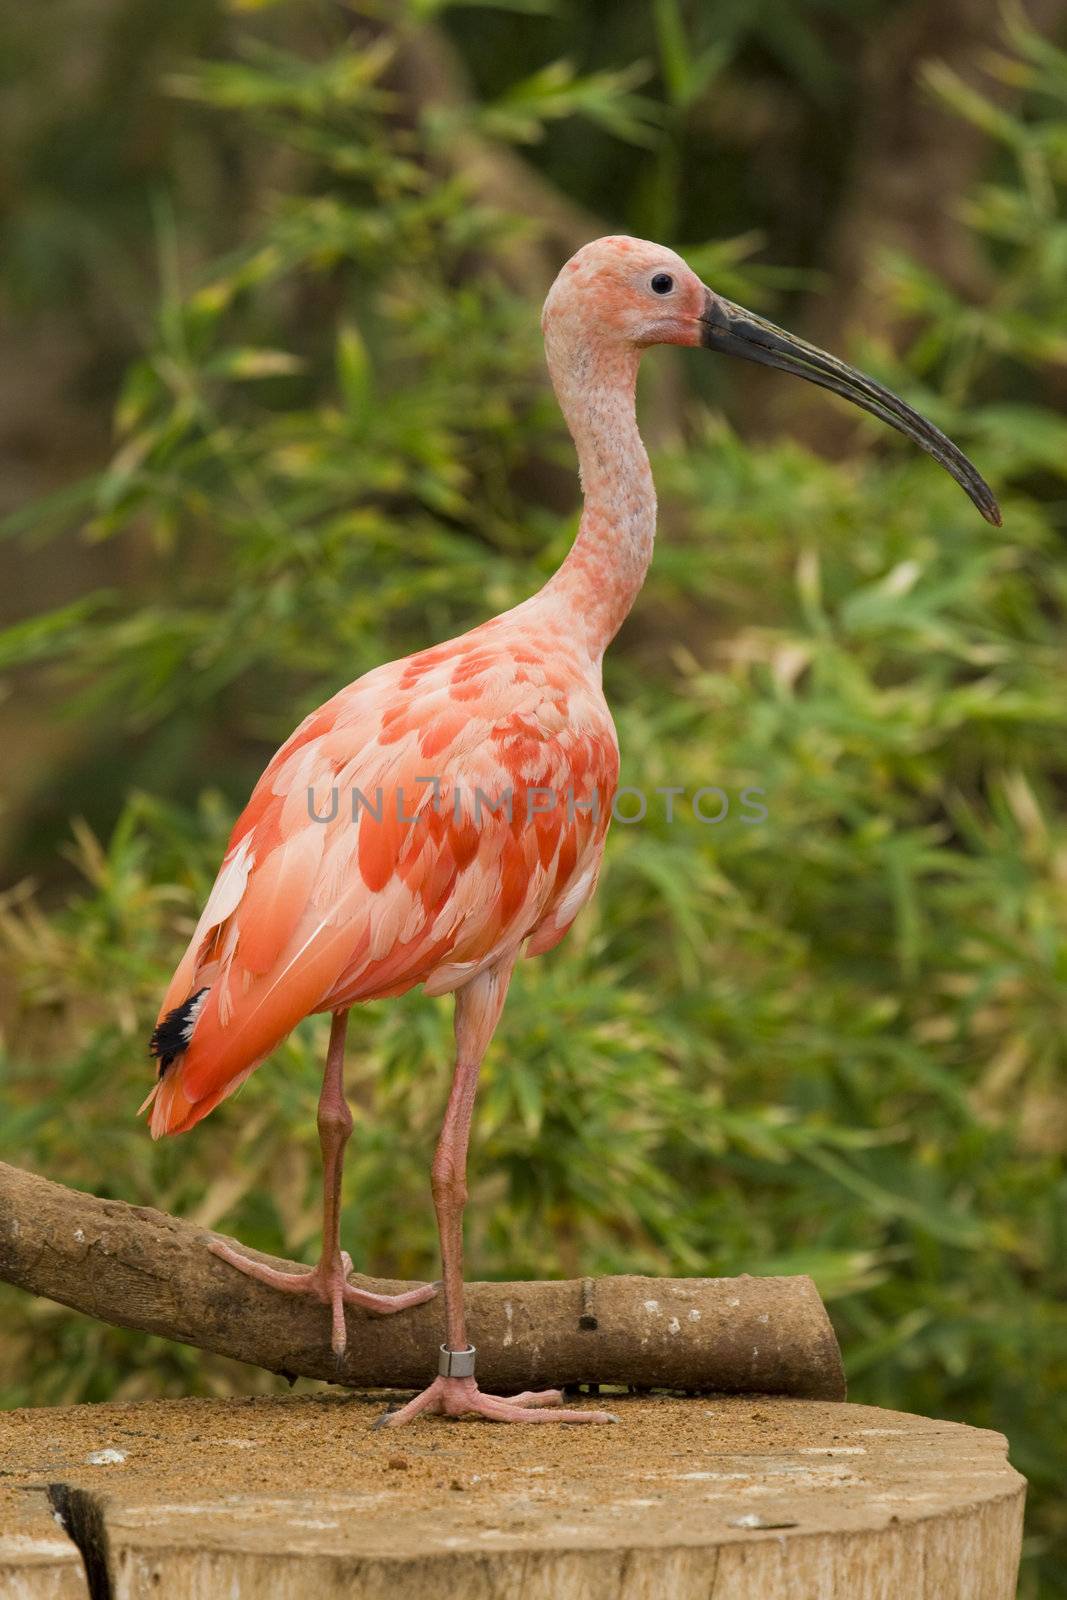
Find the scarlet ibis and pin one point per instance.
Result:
(446, 813)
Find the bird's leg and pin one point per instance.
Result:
(454, 1391)
(329, 1280)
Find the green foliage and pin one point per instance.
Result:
(828, 1042)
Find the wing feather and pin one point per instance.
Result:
(277, 896)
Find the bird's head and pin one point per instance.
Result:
(622, 295)
(625, 292)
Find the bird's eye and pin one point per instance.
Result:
(662, 283)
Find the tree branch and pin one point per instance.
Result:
(139, 1268)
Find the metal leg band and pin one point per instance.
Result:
(456, 1363)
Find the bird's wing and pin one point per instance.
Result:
(348, 878)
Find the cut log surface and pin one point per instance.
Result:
(736, 1498)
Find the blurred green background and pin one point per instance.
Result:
(273, 409)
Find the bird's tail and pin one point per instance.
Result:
(172, 1111)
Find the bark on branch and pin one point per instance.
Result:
(140, 1268)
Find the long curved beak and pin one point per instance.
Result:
(737, 332)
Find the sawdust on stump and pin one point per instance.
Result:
(737, 1497)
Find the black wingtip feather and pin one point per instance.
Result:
(171, 1036)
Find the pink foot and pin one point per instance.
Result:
(328, 1282)
(460, 1397)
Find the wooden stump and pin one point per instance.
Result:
(726, 1499)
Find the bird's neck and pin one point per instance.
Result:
(600, 578)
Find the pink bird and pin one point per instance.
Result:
(446, 813)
